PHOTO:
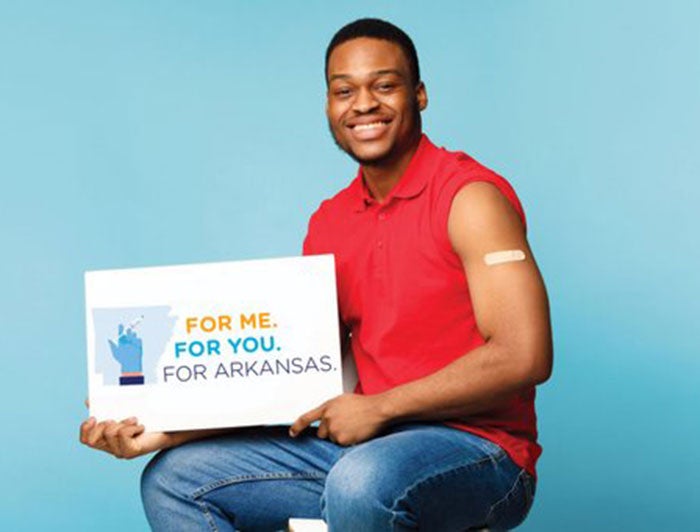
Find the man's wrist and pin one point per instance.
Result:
(390, 407)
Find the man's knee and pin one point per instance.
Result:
(162, 478)
(359, 495)
(153, 479)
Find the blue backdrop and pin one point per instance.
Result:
(148, 133)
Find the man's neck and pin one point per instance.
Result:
(383, 177)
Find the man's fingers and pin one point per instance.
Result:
(128, 447)
(129, 428)
(128, 432)
(322, 431)
(120, 435)
(85, 428)
(111, 436)
(305, 420)
(96, 433)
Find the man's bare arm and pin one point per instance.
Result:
(510, 304)
(511, 309)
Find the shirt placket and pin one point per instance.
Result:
(382, 245)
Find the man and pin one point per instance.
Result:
(446, 315)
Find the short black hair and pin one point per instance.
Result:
(375, 28)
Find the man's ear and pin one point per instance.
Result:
(421, 96)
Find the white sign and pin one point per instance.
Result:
(213, 345)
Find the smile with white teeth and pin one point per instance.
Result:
(371, 125)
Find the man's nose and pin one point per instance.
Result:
(365, 101)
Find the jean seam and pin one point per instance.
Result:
(207, 515)
(493, 458)
(200, 492)
(507, 495)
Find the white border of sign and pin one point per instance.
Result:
(298, 292)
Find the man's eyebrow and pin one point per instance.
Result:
(339, 76)
(375, 73)
(388, 71)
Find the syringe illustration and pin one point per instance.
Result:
(132, 326)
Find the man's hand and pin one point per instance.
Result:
(346, 420)
(124, 439)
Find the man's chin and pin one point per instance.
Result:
(366, 159)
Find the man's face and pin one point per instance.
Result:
(373, 106)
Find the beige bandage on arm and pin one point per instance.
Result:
(501, 257)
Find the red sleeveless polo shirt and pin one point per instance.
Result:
(403, 292)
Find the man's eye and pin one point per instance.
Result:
(343, 92)
(385, 87)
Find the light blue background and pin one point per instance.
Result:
(152, 133)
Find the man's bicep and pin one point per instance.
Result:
(505, 285)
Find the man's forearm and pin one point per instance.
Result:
(477, 382)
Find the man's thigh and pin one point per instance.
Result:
(251, 479)
(425, 476)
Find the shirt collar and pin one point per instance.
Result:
(412, 182)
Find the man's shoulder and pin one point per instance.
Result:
(326, 223)
(343, 201)
(455, 164)
(458, 169)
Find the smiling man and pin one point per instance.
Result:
(445, 313)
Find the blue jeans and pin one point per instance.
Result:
(426, 476)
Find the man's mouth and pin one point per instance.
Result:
(369, 130)
(370, 125)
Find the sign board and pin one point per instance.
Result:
(213, 345)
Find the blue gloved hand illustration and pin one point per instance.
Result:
(129, 353)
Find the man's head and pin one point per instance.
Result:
(375, 95)
(374, 28)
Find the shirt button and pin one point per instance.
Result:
(382, 216)
(380, 244)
